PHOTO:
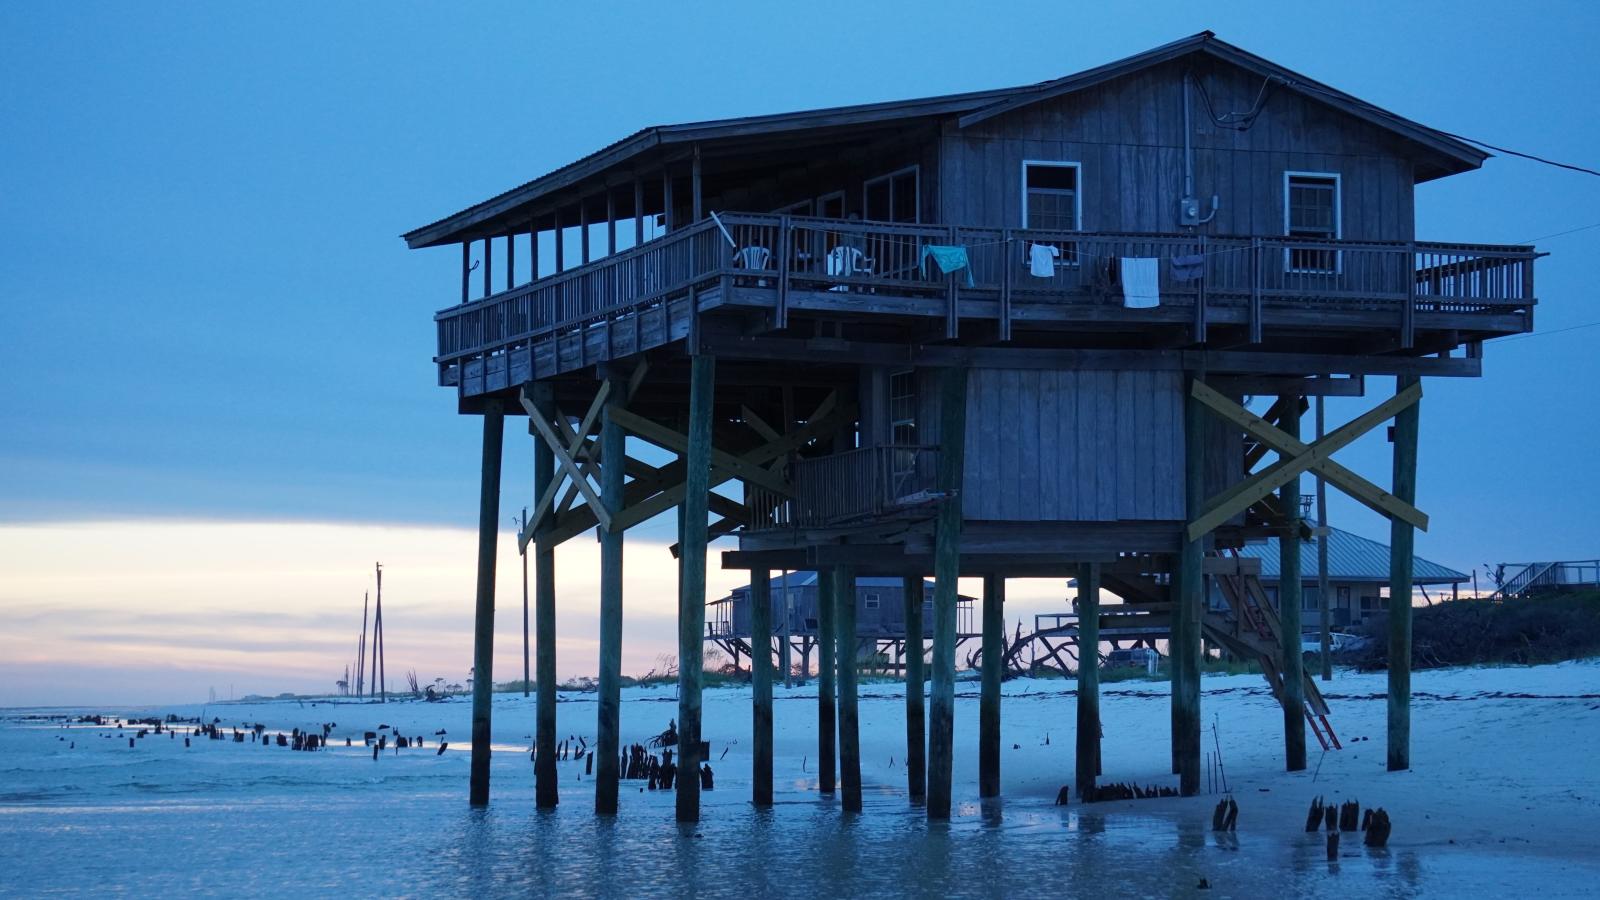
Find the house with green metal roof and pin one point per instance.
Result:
(1358, 577)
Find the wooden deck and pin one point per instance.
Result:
(765, 272)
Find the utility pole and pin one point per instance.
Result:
(378, 671)
(361, 648)
(522, 526)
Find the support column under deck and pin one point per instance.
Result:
(1290, 593)
(692, 585)
(946, 570)
(483, 619)
(608, 735)
(994, 626)
(1402, 543)
(1088, 751)
(916, 710)
(1189, 596)
(546, 786)
(826, 741)
(761, 686)
(847, 656)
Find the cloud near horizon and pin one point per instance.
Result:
(164, 611)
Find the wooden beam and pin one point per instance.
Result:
(692, 586)
(483, 618)
(1355, 386)
(1401, 547)
(1274, 439)
(761, 687)
(575, 441)
(1088, 743)
(1289, 605)
(916, 711)
(1189, 595)
(546, 786)
(946, 570)
(827, 680)
(736, 467)
(608, 730)
(993, 630)
(846, 654)
(1239, 497)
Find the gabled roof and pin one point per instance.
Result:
(970, 108)
(1351, 557)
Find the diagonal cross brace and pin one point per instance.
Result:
(1309, 456)
(564, 459)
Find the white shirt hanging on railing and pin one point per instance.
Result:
(1042, 260)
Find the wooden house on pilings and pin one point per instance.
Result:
(1004, 333)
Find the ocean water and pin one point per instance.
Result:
(83, 813)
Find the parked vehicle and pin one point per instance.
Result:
(1134, 658)
(1338, 642)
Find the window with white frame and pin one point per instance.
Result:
(1311, 212)
(870, 601)
(892, 197)
(1050, 199)
(903, 425)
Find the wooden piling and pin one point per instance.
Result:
(846, 656)
(1189, 600)
(826, 741)
(483, 620)
(546, 795)
(946, 570)
(916, 711)
(1088, 752)
(608, 741)
(1402, 539)
(785, 660)
(692, 584)
(994, 625)
(1290, 596)
(761, 686)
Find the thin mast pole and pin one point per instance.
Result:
(526, 673)
(361, 649)
(383, 673)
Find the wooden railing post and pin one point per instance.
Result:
(1006, 262)
(1255, 290)
(952, 322)
(1199, 298)
(780, 315)
(1409, 311)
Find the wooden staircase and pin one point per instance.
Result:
(1259, 635)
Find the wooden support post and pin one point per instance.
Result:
(994, 626)
(544, 616)
(611, 221)
(761, 686)
(1255, 290)
(692, 585)
(697, 208)
(583, 229)
(1088, 753)
(561, 248)
(1324, 601)
(511, 260)
(466, 270)
(488, 265)
(916, 711)
(483, 620)
(1008, 261)
(847, 656)
(1290, 603)
(533, 251)
(638, 212)
(946, 569)
(1402, 539)
(785, 660)
(608, 739)
(826, 742)
(668, 218)
(1189, 600)
(1408, 312)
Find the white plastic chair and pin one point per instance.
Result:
(845, 261)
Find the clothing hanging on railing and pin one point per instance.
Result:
(1141, 282)
(949, 260)
(1191, 267)
(1042, 260)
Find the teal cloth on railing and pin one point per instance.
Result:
(949, 260)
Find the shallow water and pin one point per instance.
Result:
(243, 819)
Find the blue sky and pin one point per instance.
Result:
(208, 314)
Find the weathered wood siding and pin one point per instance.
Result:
(1127, 135)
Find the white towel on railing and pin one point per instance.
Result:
(1141, 282)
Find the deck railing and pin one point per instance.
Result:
(1196, 272)
(843, 487)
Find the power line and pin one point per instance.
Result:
(1547, 237)
(1523, 337)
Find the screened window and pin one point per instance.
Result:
(1311, 212)
(893, 197)
(1050, 196)
(870, 601)
(903, 427)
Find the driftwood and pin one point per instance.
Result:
(1349, 815)
(1314, 816)
(1378, 831)
(1224, 817)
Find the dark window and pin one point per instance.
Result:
(1312, 214)
(871, 601)
(893, 198)
(1052, 197)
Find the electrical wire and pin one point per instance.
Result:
(1523, 337)
(1546, 237)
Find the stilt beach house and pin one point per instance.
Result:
(1002, 334)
